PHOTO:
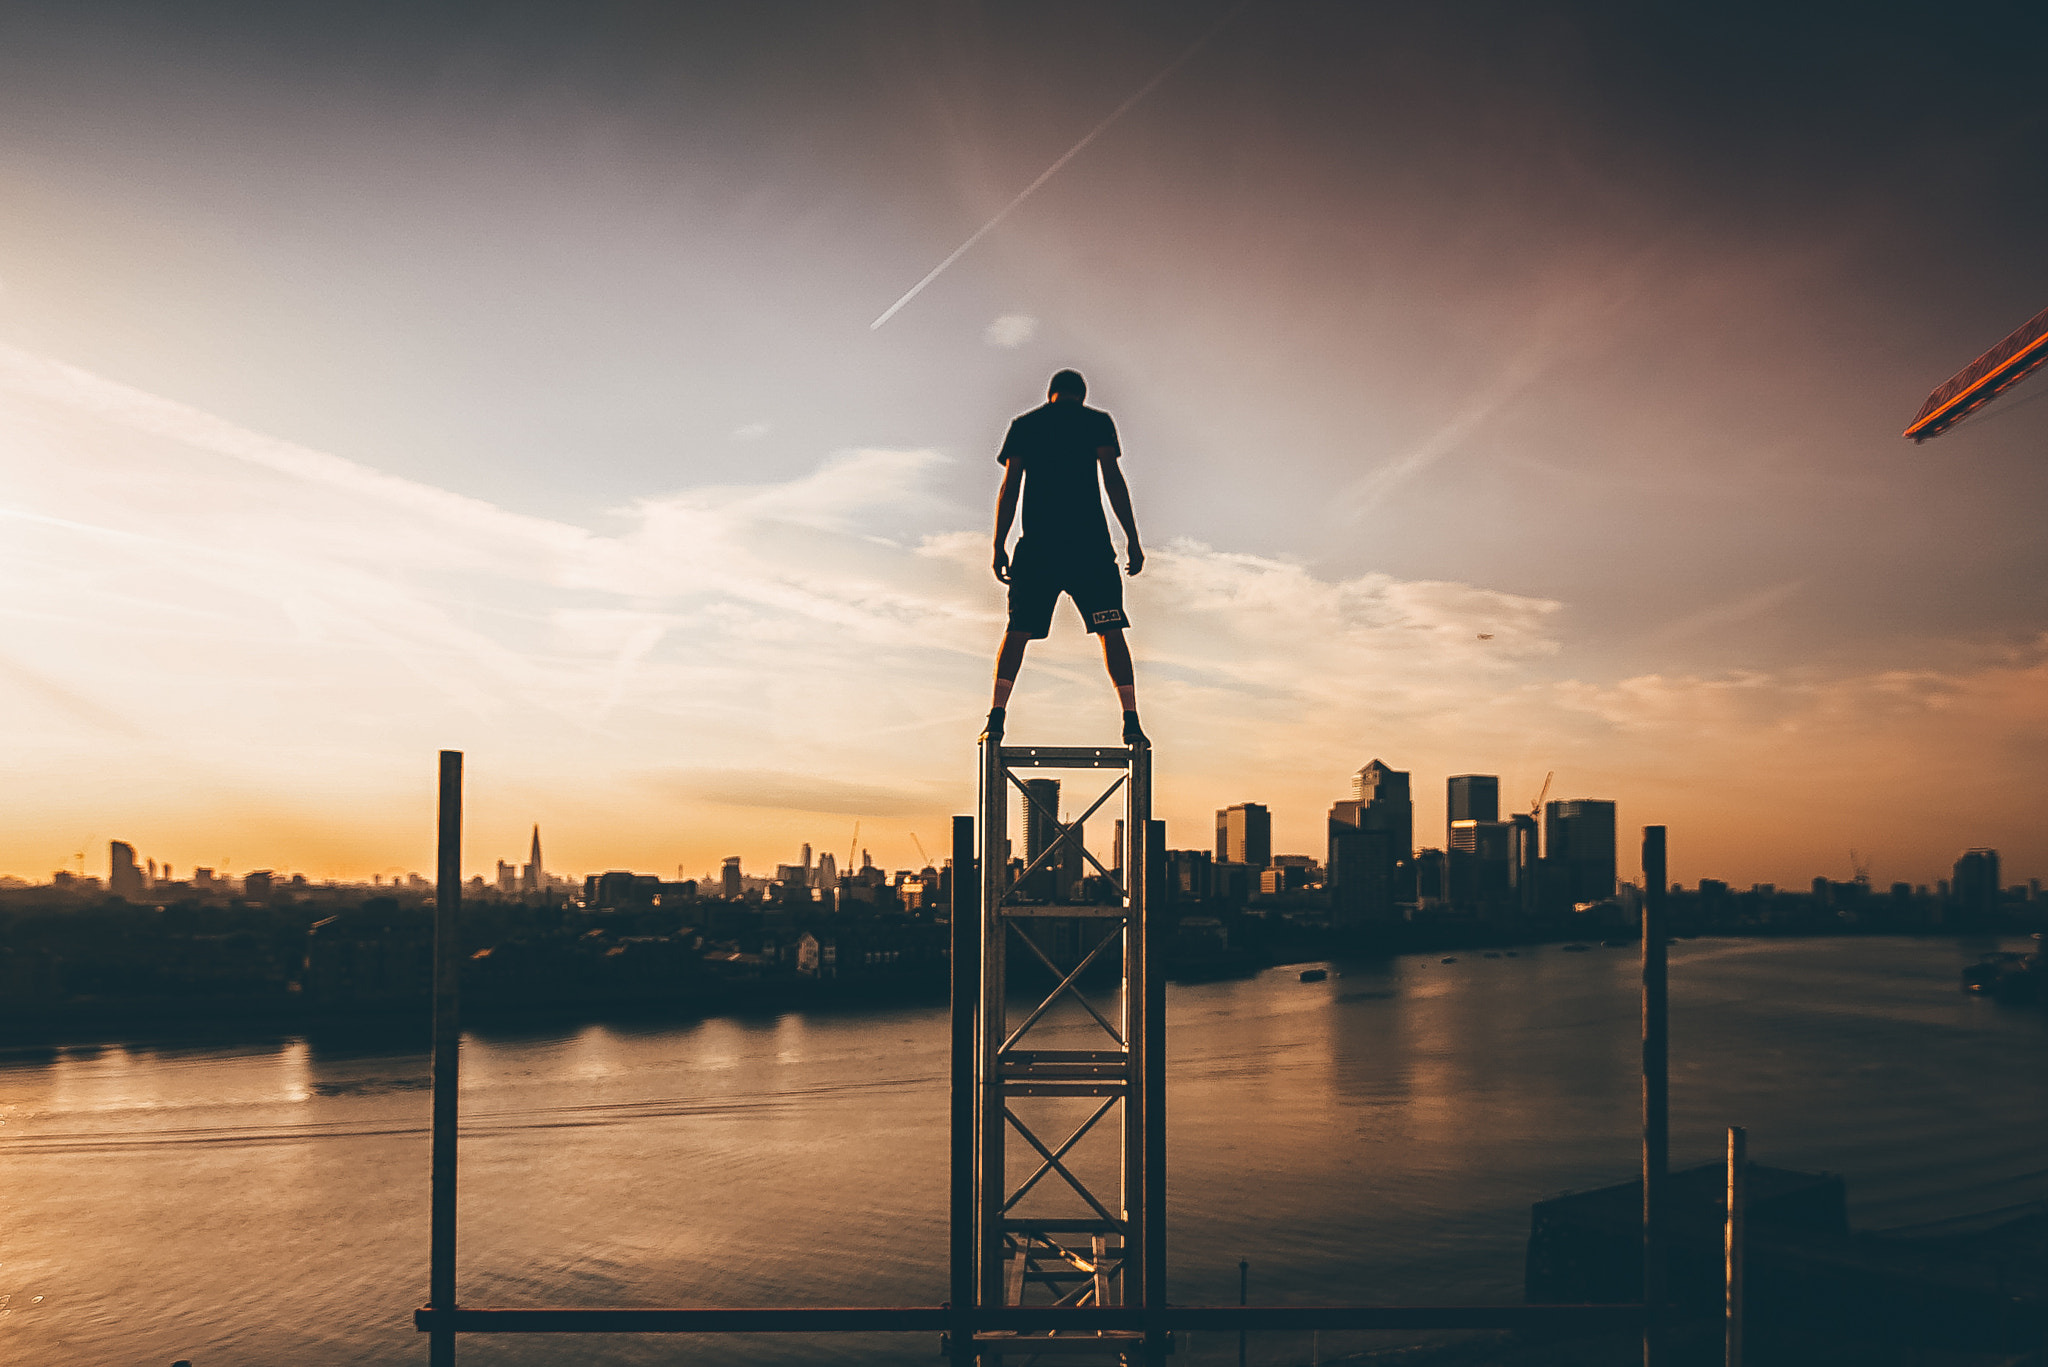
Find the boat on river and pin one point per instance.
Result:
(2007, 975)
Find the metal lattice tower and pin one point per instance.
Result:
(1078, 1220)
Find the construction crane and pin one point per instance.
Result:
(1536, 807)
(1860, 867)
(853, 850)
(2023, 351)
(920, 850)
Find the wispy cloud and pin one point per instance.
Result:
(722, 664)
(1733, 612)
(798, 792)
(1556, 330)
(1374, 488)
(1011, 330)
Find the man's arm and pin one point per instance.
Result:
(1120, 504)
(1006, 513)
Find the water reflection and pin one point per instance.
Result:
(1377, 1136)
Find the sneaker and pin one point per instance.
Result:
(994, 730)
(1132, 734)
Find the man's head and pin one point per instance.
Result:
(1068, 384)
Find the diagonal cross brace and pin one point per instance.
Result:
(1066, 985)
(1065, 831)
(1057, 1166)
(1046, 1167)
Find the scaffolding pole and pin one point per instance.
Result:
(447, 1055)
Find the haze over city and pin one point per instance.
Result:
(1504, 403)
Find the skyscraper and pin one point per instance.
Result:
(1358, 868)
(123, 878)
(1523, 857)
(1387, 806)
(1478, 866)
(1041, 811)
(1474, 797)
(1244, 835)
(531, 878)
(1976, 884)
(1372, 838)
(1041, 817)
(1071, 865)
(729, 877)
(1578, 848)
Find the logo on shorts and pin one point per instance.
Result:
(1110, 615)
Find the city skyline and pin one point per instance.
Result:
(1242, 828)
(370, 389)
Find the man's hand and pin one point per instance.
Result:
(1137, 560)
(1002, 565)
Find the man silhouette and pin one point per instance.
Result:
(1062, 459)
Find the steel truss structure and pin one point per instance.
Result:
(1090, 1280)
(1082, 1243)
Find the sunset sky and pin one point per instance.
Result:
(382, 378)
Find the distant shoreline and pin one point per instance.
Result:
(89, 1022)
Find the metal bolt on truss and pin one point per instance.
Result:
(1078, 1221)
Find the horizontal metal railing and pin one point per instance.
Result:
(1040, 1318)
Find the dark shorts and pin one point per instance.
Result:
(1090, 578)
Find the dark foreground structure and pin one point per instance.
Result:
(1816, 1290)
(1091, 1287)
(1651, 1271)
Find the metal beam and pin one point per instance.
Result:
(1656, 1095)
(447, 1053)
(1024, 1318)
(965, 934)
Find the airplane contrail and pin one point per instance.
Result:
(1052, 170)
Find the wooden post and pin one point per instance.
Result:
(1738, 1211)
(966, 951)
(447, 1053)
(1656, 1095)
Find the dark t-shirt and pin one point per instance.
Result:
(1057, 447)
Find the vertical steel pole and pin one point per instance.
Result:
(1137, 1277)
(1244, 1289)
(988, 1089)
(1738, 1211)
(447, 1053)
(1155, 1079)
(966, 966)
(1656, 1095)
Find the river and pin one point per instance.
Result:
(1376, 1137)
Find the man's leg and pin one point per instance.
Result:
(1116, 655)
(1009, 660)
